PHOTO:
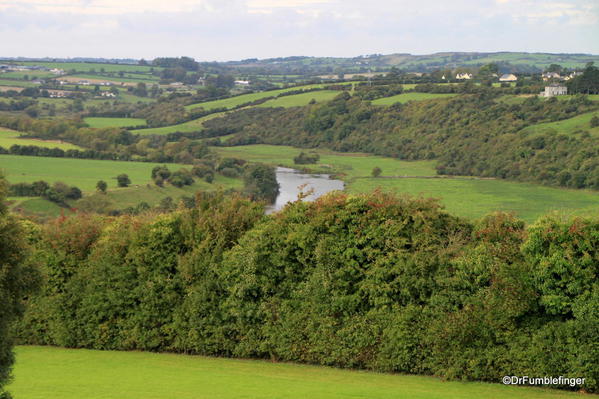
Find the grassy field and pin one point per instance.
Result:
(114, 122)
(567, 126)
(405, 97)
(29, 74)
(47, 373)
(466, 197)
(36, 206)
(191, 126)
(10, 137)
(89, 66)
(83, 173)
(17, 83)
(299, 100)
(246, 98)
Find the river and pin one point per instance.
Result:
(291, 181)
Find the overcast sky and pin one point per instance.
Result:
(235, 29)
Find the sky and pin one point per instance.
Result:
(220, 30)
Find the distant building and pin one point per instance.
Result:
(508, 77)
(107, 94)
(242, 83)
(57, 71)
(550, 75)
(463, 76)
(572, 75)
(554, 90)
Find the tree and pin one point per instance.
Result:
(123, 180)
(101, 186)
(261, 182)
(17, 278)
(594, 121)
(376, 171)
(141, 90)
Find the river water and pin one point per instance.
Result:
(291, 182)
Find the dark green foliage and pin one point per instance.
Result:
(376, 171)
(101, 186)
(306, 158)
(594, 121)
(59, 192)
(260, 182)
(180, 178)
(123, 180)
(372, 281)
(17, 279)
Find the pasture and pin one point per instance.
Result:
(48, 372)
(83, 173)
(114, 122)
(567, 126)
(91, 66)
(36, 206)
(299, 100)
(405, 97)
(463, 196)
(11, 137)
(185, 127)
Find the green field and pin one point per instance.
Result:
(567, 126)
(17, 83)
(48, 373)
(114, 122)
(186, 127)
(10, 137)
(148, 79)
(83, 173)
(88, 66)
(468, 197)
(29, 74)
(299, 100)
(36, 206)
(405, 97)
(232, 102)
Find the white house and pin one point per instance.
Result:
(462, 76)
(554, 90)
(508, 77)
(242, 83)
(550, 75)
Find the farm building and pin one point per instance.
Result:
(462, 76)
(242, 83)
(550, 75)
(508, 77)
(554, 90)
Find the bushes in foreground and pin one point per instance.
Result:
(373, 281)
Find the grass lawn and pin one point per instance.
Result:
(405, 97)
(83, 173)
(466, 197)
(191, 126)
(11, 137)
(299, 100)
(114, 122)
(46, 373)
(567, 126)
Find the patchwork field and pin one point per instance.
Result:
(405, 97)
(114, 122)
(468, 197)
(567, 126)
(83, 173)
(91, 66)
(47, 372)
(11, 137)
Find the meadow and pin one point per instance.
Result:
(91, 66)
(299, 100)
(405, 97)
(11, 137)
(83, 173)
(48, 372)
(114, 122)
(567, 126)
(185, 127)
(463, 196)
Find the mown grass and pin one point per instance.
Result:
(186, 127)
(299, 100)
(114, 122)
(405, 97)
(47, 372)
(10, 137)
(567, 126)
(468, 197)
(83, 173)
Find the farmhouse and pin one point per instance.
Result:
(242, 83)
(554, 90)
(551, 75)
(107, 94)
(508, 77)
(463, 76)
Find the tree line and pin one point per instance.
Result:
(373, 281)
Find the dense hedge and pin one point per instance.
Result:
(373, 281)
